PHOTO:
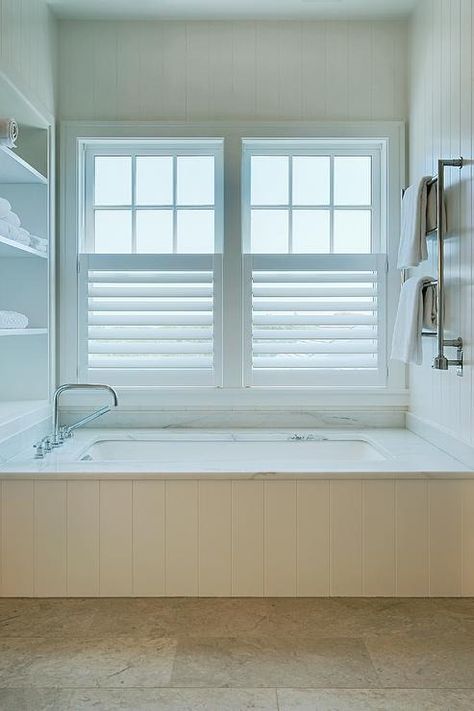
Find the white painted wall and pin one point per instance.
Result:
(441, 125)
(233, 70)
(28, 50)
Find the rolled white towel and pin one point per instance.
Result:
(5, 207)
(23, 236)
(5, 229)
(8, 132)
(13, 219)
(13, 319)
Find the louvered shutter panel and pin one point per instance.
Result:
(150, 319)
(315, 319)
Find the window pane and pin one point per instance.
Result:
(154, 231)
(113, 180)
(154, 180)
(195, 231)
(311, 231)
(311, 180)
(352, 231)
(269, 180)
(269, 231)
(352, 180)
(113, 231)
(195, 180)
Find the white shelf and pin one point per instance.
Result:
(14, 169)
(23, 331)
(11, 248)
(17, 415)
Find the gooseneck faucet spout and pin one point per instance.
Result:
(57, 438)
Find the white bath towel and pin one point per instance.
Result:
(13, 319)
(411, 316)
(12, 219)
(413, 248)
(5, 207)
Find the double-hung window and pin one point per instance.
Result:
(150, 267)
(315, 263)
(293, 295)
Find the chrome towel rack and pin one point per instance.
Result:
(441, 361)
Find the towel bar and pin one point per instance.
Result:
(441, 362)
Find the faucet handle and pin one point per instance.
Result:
(39, 446)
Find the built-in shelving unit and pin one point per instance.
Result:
(26, 273)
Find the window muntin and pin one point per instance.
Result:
(303, 200)
(166, 200)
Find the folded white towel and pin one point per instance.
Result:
(23, 236)
(13, 319)
(39, 243)
(13, 219)
(5, 207)
(413, 248)
(417, 307)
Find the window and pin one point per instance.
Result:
(314, 269)
(232, 271)
(150, 269)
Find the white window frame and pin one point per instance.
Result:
(232, 394)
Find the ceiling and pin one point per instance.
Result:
(231, 9)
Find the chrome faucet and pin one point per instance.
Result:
(62, 433)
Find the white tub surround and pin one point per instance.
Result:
(187, 524)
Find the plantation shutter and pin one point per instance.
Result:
(315, 319)
(150, 319)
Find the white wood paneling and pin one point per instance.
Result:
(441, 126)
(50, 538)
(192, 71)
(304, 538)
(115, 538)
(83, 538)
(182, 532)
(149, 538)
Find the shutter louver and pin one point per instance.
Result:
(150, 319)
(315, 319)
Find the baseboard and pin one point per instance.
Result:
(441, 438)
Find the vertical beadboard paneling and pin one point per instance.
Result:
(280, 538)
(116, 538)
(148, 538)
(468, 538)
(18, 538)
(247, 538)
(445, 507)
(182, 533)
(411, 506)
(215, 538)
(83, 538)
(441, 125)
(346, 537)
(50, 538)
(235, 70)
(378, 538)
(312, 521)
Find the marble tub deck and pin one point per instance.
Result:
(186, 654)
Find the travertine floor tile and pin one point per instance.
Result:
(269, 662)
(109, 663)
(375, 700)
(436, 661)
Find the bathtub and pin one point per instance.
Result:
(239, 513)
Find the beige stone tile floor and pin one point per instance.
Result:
(188, 654)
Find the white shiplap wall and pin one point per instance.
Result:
(117, 537)
(233, 70)
(441, 121)
(28, 50)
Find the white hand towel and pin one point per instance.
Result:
(5, 207)
(413, 248)
(13, 319)
(432, 209)
(407, 341)
(13, 219)
(430, 307)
